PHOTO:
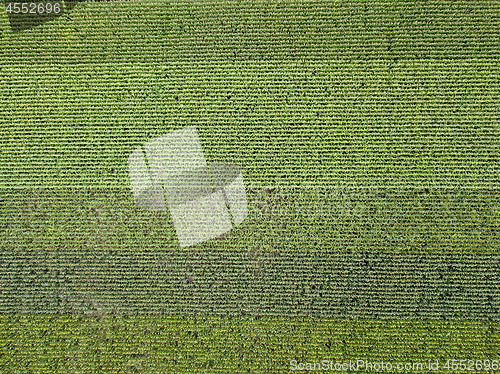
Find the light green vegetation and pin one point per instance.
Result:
(293, 93)
(211, 344)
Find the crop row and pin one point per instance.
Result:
(462, 220)
(162, 31)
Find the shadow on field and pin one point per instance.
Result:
(35, 12)
(26, 15)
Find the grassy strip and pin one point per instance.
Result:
(213, 344)
(429, 220)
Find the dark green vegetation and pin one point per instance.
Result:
(322, 284)
(401, 96)
(345, 219)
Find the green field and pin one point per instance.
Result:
(400, 99)
(165, 344)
